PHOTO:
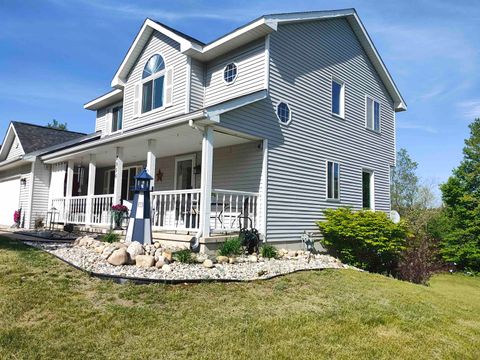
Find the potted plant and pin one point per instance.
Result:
(119, 211)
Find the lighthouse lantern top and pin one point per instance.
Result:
(142, 181)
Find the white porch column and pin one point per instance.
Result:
(92, 170)
(117, 185)
(151, 158)
(69, 189)
(206, 185)
(264, 191)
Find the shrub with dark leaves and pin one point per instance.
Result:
(250, 239)
(419, 260)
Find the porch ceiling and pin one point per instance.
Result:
(176, 140)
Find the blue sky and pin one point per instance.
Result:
(55, 55)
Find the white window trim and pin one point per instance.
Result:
(339, 181)
(342, 97)
(289, 112)
(192, 157)
(372, 187)
(236, 74)
(151, 78)
(373, 114)
(119, 131)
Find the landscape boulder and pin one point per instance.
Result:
(222, 259)
(208, 263)
(118, 257)
(144, 261)
(134, 249)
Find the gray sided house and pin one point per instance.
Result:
(267, 126)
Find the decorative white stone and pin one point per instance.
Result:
(252, 258)
(208, 263)
(166, 268)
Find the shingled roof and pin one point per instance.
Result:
(36, 137)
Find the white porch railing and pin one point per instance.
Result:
(231, 210)
(101, 213)
(74, 209)
(171, 210)
(175, 210)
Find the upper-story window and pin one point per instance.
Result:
(283, 112)
(338, 98)
(117, 118)
(373, 114)
(152, 84)
(230, 73)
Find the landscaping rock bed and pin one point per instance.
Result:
(155, 262)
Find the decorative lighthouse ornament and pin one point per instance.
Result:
(140, 226)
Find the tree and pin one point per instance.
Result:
(56, 125)
(461, 195)
(404, 186)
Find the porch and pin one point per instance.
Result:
(188, 164)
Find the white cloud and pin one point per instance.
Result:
(412, 126)
(470, 108)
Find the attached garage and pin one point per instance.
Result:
(9, 200)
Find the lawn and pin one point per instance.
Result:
(50, 310)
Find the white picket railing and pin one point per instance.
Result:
(101, 211)
(231, 210)
(175, 210)
(74, 209)
(171, 210)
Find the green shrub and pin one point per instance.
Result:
(231, 247)
(268, 251)
(183, 256)
(366, 239)
(110, 237)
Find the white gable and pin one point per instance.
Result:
(11, 147)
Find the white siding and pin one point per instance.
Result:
(250, 61)
(101, 119)
(170, 51)
(15, 149)
(303, 59)
(40, 195)
(197, 84)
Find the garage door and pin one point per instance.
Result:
(9, 200)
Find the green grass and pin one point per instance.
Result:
(50, 310)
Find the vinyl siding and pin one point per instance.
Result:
(197, 84)
(15, 149)
(101, 119)
(303, 59)
(170, 51)
(250, 61)
(40, 195)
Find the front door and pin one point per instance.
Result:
(184, 178)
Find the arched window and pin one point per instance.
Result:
(283, 112)
(153, 83)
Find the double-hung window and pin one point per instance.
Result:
(153, 83)
(333, 180)
(338, 98)
(117, 118)
(373, 114)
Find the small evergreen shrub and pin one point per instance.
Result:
(250, 239)
(268, 251)
(231, 247)
(183, 256)
(365, 239)
(110, 237)
(67, 228)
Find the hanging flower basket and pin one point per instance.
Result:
(119, 212)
